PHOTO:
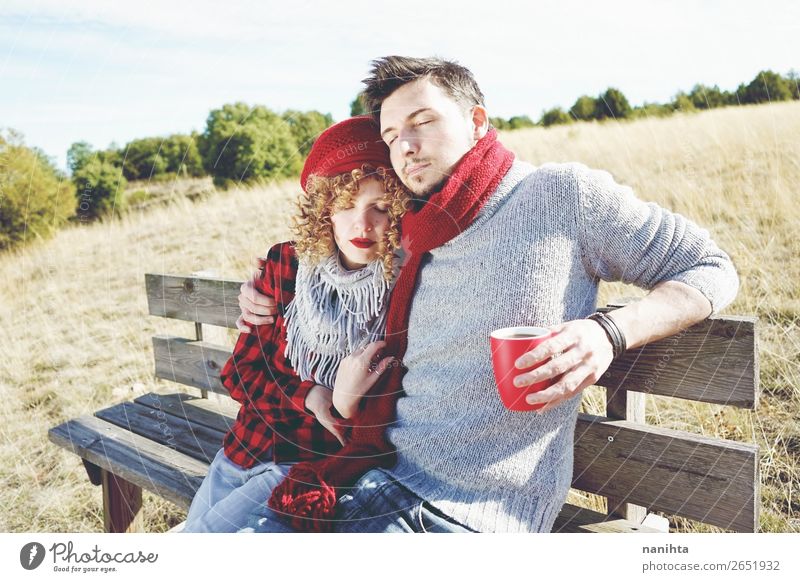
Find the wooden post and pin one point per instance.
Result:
(625, 405)
(122, 504)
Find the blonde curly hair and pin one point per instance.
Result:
(325, 196)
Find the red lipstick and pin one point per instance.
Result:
(362, 243)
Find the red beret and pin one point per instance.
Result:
(346, 146)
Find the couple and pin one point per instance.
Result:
(341, 431)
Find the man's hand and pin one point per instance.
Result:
(318, 401)
(357, 373)
(257, 308)
(586, 354)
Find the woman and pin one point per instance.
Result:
(299, 380)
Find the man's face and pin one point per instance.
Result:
(427, 132)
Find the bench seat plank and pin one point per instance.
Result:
(136, 459)
(217, 415)
(197, 441)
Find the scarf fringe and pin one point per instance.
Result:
(334, 312)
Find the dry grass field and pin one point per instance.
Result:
(76, 334)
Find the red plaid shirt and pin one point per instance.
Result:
(260, 377)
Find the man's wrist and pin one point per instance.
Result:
(613, 333)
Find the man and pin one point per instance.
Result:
(532, 253)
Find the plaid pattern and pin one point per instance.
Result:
(260, 377)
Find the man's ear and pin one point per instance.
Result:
(480, 122)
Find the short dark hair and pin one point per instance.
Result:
(390, 73)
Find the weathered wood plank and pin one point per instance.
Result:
(198, 441)
(630, 406)
(711, 480)
(201, 299)
(142, 462)
(122, 505)
(713, 361)
(574, 519)
(202, 411)
(190, 362)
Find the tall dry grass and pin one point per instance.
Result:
(76, 334)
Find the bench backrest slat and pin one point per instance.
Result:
(713, 361)
(190, 362)
(204, 300)
(702, 478)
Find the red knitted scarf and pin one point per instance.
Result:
(307, 496)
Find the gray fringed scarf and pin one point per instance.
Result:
(333, 313)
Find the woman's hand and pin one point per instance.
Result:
(257, 308)
(318, 401)
(357, 374)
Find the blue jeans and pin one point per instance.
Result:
(379, 504)
(230, 494)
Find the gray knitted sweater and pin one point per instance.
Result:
(534, 256)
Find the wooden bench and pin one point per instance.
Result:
(164, 443)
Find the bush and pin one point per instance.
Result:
(613, 104)
(35, 198)
(555, 116)
(703, 97)
(141, 159)
(682, 102)
(100, 186)
(243, 144)
(651, 110)
(793, 79)
(520, 122)
(305, 127)
(585, 108)
(182, 155)
(499, 123)
(767, 86)
(357, 106)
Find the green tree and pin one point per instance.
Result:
(682, 102)
(555, 116)
(703, 97)
(182, 156)
(142, 159)
(243, 143)
(99, 186)
(651, 110)
(305, 127)
(613, 104)
(584, 108)
(499, 123)
(793, 79)
(520, 122)
(357, 106)
(35, 198)
(766, 87)
(78, 155)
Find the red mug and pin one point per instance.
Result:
(508, 344)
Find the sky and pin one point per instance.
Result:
(102, 71)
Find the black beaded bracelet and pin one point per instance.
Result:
(615, 335)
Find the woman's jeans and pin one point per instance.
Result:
(377, 504)
(230, 495)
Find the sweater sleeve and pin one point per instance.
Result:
(640, 243)
(249, 374)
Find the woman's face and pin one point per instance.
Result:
(359, 230)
